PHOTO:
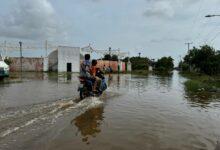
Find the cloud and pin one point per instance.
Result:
(166, 8)
(30, 19)
(159, 9)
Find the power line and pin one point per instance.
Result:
(15, 46)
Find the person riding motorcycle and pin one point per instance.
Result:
(85, 71)
(96, 79)
(91, 79)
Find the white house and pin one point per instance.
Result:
(64, 59)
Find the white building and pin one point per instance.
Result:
(64, 59)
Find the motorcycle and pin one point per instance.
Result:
(85, 88)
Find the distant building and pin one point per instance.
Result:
(64, 59)
(150, 68)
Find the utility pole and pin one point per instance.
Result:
(46, 47)
(180, 63)
(5, 48)
(109, 49)
(20, 43)
(188, 44)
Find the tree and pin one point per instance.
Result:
(114, 58)
(125, 59)
(107, 57)
(139, 63)
(204, 60)
(8, 61)
(164, 64)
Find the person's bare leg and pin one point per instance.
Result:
(95, 86)
(97, 83)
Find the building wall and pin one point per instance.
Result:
(28, 64)
(53, 61)
(113, 65)
(68, 55)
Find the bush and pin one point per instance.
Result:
(164, 64)
(139, 63)
(204, 60)
(8, 61)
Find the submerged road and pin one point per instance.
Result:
(41, 112)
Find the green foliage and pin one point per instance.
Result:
(8, 61)
(204, 60)
(109, 57)
(114, 58)
(184, 66)
(125, 59)
(139, 63)
(196, 86)
(164, 64)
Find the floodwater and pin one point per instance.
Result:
(41, 112)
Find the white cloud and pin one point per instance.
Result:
(160, 8)
(166, 8)
(30, 19)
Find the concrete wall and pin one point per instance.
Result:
(46, 64)
(68, 55)
(129, 66)
(113, 65)
(53, 61)
(28, 64)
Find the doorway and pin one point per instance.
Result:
(69, 67)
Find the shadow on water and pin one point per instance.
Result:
(88, 123)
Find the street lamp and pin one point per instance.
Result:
(208, 16)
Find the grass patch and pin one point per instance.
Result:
(197, 86)
(201, 82)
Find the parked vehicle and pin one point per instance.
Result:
(4, 68)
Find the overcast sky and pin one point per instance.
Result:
(155, 28)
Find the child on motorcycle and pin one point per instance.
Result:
(97, 80)
(85, 67)
(85, 71)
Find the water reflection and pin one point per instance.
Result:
(164, 80)
(109, 79)
(36, 88)
(69, 77)
(88, 123)
(118, 81)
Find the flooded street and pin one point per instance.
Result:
(42, 112)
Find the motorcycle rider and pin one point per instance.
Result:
(97, 80)
(85, 71)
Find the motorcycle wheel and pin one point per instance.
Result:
(81, 95)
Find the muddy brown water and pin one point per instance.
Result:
(40, 112)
